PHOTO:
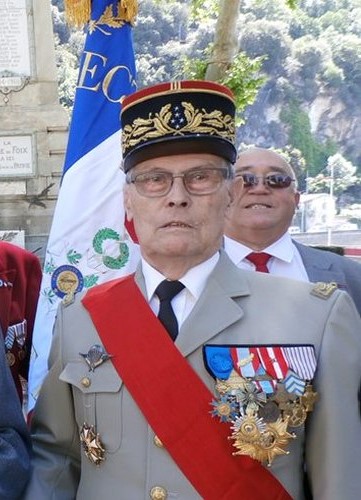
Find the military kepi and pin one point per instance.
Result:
(178, 118)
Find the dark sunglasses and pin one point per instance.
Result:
(278, 181)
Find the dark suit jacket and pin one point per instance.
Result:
(322, 265)
(20, 278)
(14, 438)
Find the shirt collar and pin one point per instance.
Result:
(282, 249)
(194, 280)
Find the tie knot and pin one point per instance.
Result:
(166, 290)
(259, 259)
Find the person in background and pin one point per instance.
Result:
(20, 279)
(258, 222)
(15, 447)
(192, 378)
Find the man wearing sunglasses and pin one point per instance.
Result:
(258, 221)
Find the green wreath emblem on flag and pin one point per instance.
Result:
(111, 262)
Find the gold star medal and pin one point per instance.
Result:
(92, 444)
(260, 440)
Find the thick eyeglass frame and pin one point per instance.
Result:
(187, 176)
(274, 181)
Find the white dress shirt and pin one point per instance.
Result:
(286, 260)
(194, 282)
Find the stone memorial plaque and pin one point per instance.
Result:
(16, 158)
(14, 41)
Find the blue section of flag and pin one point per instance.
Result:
(106, 75)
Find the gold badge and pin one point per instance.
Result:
(233, 383)
(263, 392)
(309, 398)
(259, 440)
(323, 290)
(92, 445)
(296, 414)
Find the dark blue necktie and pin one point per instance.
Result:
(166, 291)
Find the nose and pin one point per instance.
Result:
(178, 195)
(259, 187)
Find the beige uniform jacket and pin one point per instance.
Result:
(236, 307)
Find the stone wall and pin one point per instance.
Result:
(33, 125)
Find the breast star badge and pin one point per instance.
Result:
(92, 445)
(260, 441)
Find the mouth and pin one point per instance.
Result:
(176, 224)
(257, 206)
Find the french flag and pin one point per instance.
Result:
(88, 242)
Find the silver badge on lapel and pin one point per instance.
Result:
(95, 356)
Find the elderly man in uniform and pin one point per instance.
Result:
(192, 378)
(14, 437)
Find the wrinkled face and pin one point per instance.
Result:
(178, 224)
(260, 207)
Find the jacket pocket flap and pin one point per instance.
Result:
(103, 379)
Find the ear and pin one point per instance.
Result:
(297, 198)
(127, 203)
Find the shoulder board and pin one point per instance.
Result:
(323, 290)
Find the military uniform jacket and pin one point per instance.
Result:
(236, 307)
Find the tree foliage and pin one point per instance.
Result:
(283, 59)
(338, 175)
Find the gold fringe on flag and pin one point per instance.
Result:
(78, 12)
(128, 10)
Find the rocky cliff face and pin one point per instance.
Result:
(330, 119)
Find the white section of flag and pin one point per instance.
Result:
(90, 199)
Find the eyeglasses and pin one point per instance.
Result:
(198, 182)
(277, 181)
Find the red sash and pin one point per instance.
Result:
(172, 397)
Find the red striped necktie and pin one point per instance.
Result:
(259, 259)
